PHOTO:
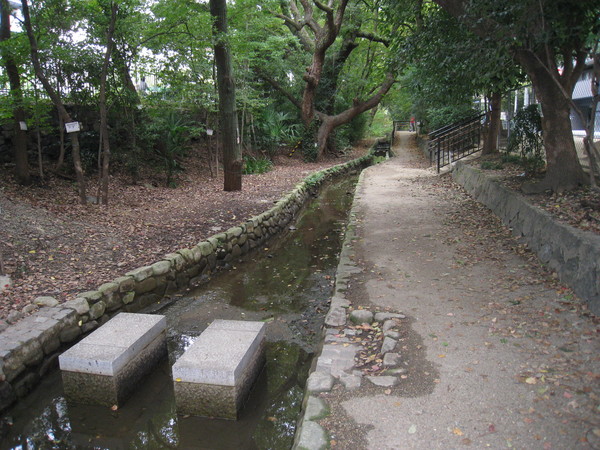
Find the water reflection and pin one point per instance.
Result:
(286, 285)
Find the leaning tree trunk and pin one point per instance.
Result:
(329, 123)
(55, 99)
(232, 155)
(14, 80)
(490, 144)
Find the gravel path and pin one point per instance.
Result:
(498, 354)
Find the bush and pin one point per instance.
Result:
(350, 133)
(276, 129)
(492, 165)
(526, 138)
(308, 144)
(166, 134)
(256, 165)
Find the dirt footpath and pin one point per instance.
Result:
(498, 353)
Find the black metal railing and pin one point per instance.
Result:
(455, 141)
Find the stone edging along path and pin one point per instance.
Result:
(30, 348)
(572, 253)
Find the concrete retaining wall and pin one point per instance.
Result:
(574, 254)
(29, 348)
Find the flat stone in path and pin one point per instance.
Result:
(214, 375)
(105, 367)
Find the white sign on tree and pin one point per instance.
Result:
(72, 127)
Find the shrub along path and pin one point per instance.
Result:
(53, 246)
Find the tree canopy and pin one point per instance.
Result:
(305, 71)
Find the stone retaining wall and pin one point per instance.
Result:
(29, 348)
(574, 254)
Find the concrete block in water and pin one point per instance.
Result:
(214, 376)
(105, 366)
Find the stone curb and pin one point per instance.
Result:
(572, 253)
(336, 358)
(30, 347)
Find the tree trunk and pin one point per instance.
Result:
(14, 80)
(55, 99)
(329, 123)
(121, 65)
(324, 38)
(102, 104)
(490, 144)
(232, 156)
(563, 170)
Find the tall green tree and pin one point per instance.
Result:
(228, 124)
(16, 95)
(56, 99)
(442, 51)
(550, 39)
(319, 29)
(111, 11)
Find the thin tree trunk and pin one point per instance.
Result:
(103, 110)
(232, 157)
(490, 144)
(61, 155)
(14, 80)
(39, 151)
(55, 99)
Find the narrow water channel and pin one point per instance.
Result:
(286, 284)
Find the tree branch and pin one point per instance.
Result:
(373, 38)
(278, 87)
(296, 28)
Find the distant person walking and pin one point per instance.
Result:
(412, 124)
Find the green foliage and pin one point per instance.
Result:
(350, 133)
(315, 179)
(446, 115)
(166, 134)
(526, 138)
(492, 165)
(276, 128)
(511, 159)
(309, 142)
(381, 124)
(256, 165)
(448, 66)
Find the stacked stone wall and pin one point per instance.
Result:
(572, 253)
(31, 347)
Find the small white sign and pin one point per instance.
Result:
(72, 127)
(209, 131)
(23, 126)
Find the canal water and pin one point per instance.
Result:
(286, 283)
